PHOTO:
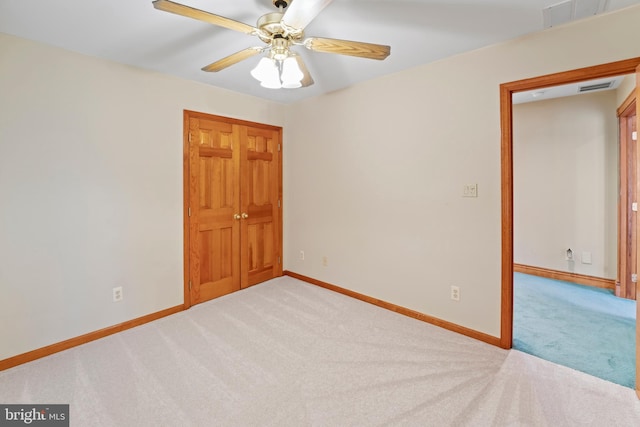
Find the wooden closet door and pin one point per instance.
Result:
(214, 179)
(261, 204)
(233, 209)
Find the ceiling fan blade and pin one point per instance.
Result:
(347, 47)
(301, 12)
(190, 12)
(232, 59)
(307, 80)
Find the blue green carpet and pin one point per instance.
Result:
(585, 328)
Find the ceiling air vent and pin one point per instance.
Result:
(572, 10)
(597, 86)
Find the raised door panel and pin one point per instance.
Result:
(215, 234)
(260, 201)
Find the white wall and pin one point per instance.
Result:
(91, 189)
(565, 163)
(374, 173)
(626, 86)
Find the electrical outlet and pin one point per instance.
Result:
(455, 293)
(569, 255)
(301, 256)
(117, 294)
(325, 261)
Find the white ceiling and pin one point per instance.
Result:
(418, 31)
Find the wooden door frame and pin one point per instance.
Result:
(627, 227)
(186, 191)
(628, 66)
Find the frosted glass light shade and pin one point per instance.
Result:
(291, 74)
(266, 71)
(292, 85)
(271, 84)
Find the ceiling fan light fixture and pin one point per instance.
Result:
(280, 56)
(291, 73)
(267, 73)
(291, 85)
(273, 74)
(271, 84)
(280, 48)
(264, 70)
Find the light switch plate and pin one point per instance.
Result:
(470, 190)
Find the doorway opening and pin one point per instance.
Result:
(506, 94)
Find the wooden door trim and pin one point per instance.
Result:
(187, 114)
(631, 98)
(637, 91)
(280, 268)
(628, 182)
(185, 208)
(627, 66)
(230, 120)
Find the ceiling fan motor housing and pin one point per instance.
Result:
(271, 27)
(270, 23)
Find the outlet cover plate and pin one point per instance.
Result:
(455, 293)
(117, 294)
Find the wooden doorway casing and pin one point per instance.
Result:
(507, 90)
(627, 221)
(239, 164)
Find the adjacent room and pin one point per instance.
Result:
(569, 306)
(185, 240)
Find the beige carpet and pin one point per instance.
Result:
(285, 353)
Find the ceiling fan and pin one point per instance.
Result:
(281, 67)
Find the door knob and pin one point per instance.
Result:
(236, 216)
(244, 215)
